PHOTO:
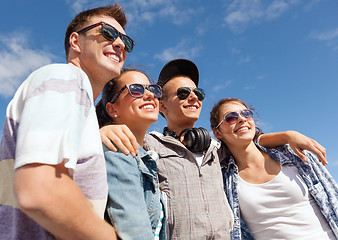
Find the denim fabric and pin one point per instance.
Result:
(320, 183)
(134, 198)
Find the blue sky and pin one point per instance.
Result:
(280, 56)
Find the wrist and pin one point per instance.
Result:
(287, 136)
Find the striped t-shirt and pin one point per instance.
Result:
(51, 119)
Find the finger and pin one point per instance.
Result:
(317, 149)
(300, 154)
(116, 140)
(129, 142)
(109, 144)
(321, 152)
(132, 140)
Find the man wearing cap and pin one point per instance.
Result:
(188, 164)
(191, 179)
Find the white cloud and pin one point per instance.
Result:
(182, 50)
(329, 37)
(221, 86)
(148, 11)
(310, 4)
(244, 60)
(17, 61)
(325, 36)
(77, 5)
(247, 88)
(241, 13)
(260, 77)
(264, 126)
(276, 9)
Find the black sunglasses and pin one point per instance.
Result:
(111, 34)
(137, 91)
(184, 92)
(232, 117)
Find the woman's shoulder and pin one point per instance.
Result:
(108, 154)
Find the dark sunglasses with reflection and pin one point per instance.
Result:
(111, 34)
(184, 92)
(137, 90)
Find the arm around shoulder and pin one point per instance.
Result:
(297, 141)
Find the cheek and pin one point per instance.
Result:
(225, 133)
(225, 128)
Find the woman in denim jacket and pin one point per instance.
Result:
(273, 194)
(135, 205)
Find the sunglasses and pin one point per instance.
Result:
(184, 92)
(232, 117)
(137, 91)
(111, 34)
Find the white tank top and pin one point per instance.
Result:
(282, 209)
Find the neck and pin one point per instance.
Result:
(94, 81)
(139, 137)
(139, 133)
(179, 128)
(246, 156)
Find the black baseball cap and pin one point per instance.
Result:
(178, 67)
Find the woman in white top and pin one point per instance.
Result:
(273, 194)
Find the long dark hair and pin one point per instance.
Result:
(215, 118)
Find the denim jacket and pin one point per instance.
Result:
(134, 199)
(320, 183)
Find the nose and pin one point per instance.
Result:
(148, 94)
(118, 43)
(192, 96)
(241, 118)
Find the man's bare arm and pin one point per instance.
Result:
(48, 195)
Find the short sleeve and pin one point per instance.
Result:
(55, 110)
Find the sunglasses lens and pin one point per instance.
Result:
(183, 92)
(231, 118)
(247, 113)
(109, 33)
(136, 90)
(112, 34)
(156, 90)
(199, 93)
(128, 42)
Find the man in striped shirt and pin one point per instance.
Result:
(52, 169)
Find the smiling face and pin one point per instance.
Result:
(241, 132)
(137, 113)
(180, 113)
(100, 58)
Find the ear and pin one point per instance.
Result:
(74, 42)
(217, 133)
(111, 110)
(162, 108)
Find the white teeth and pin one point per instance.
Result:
(243, 129)
(113, 56)
(191, 107)
(148, 107)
